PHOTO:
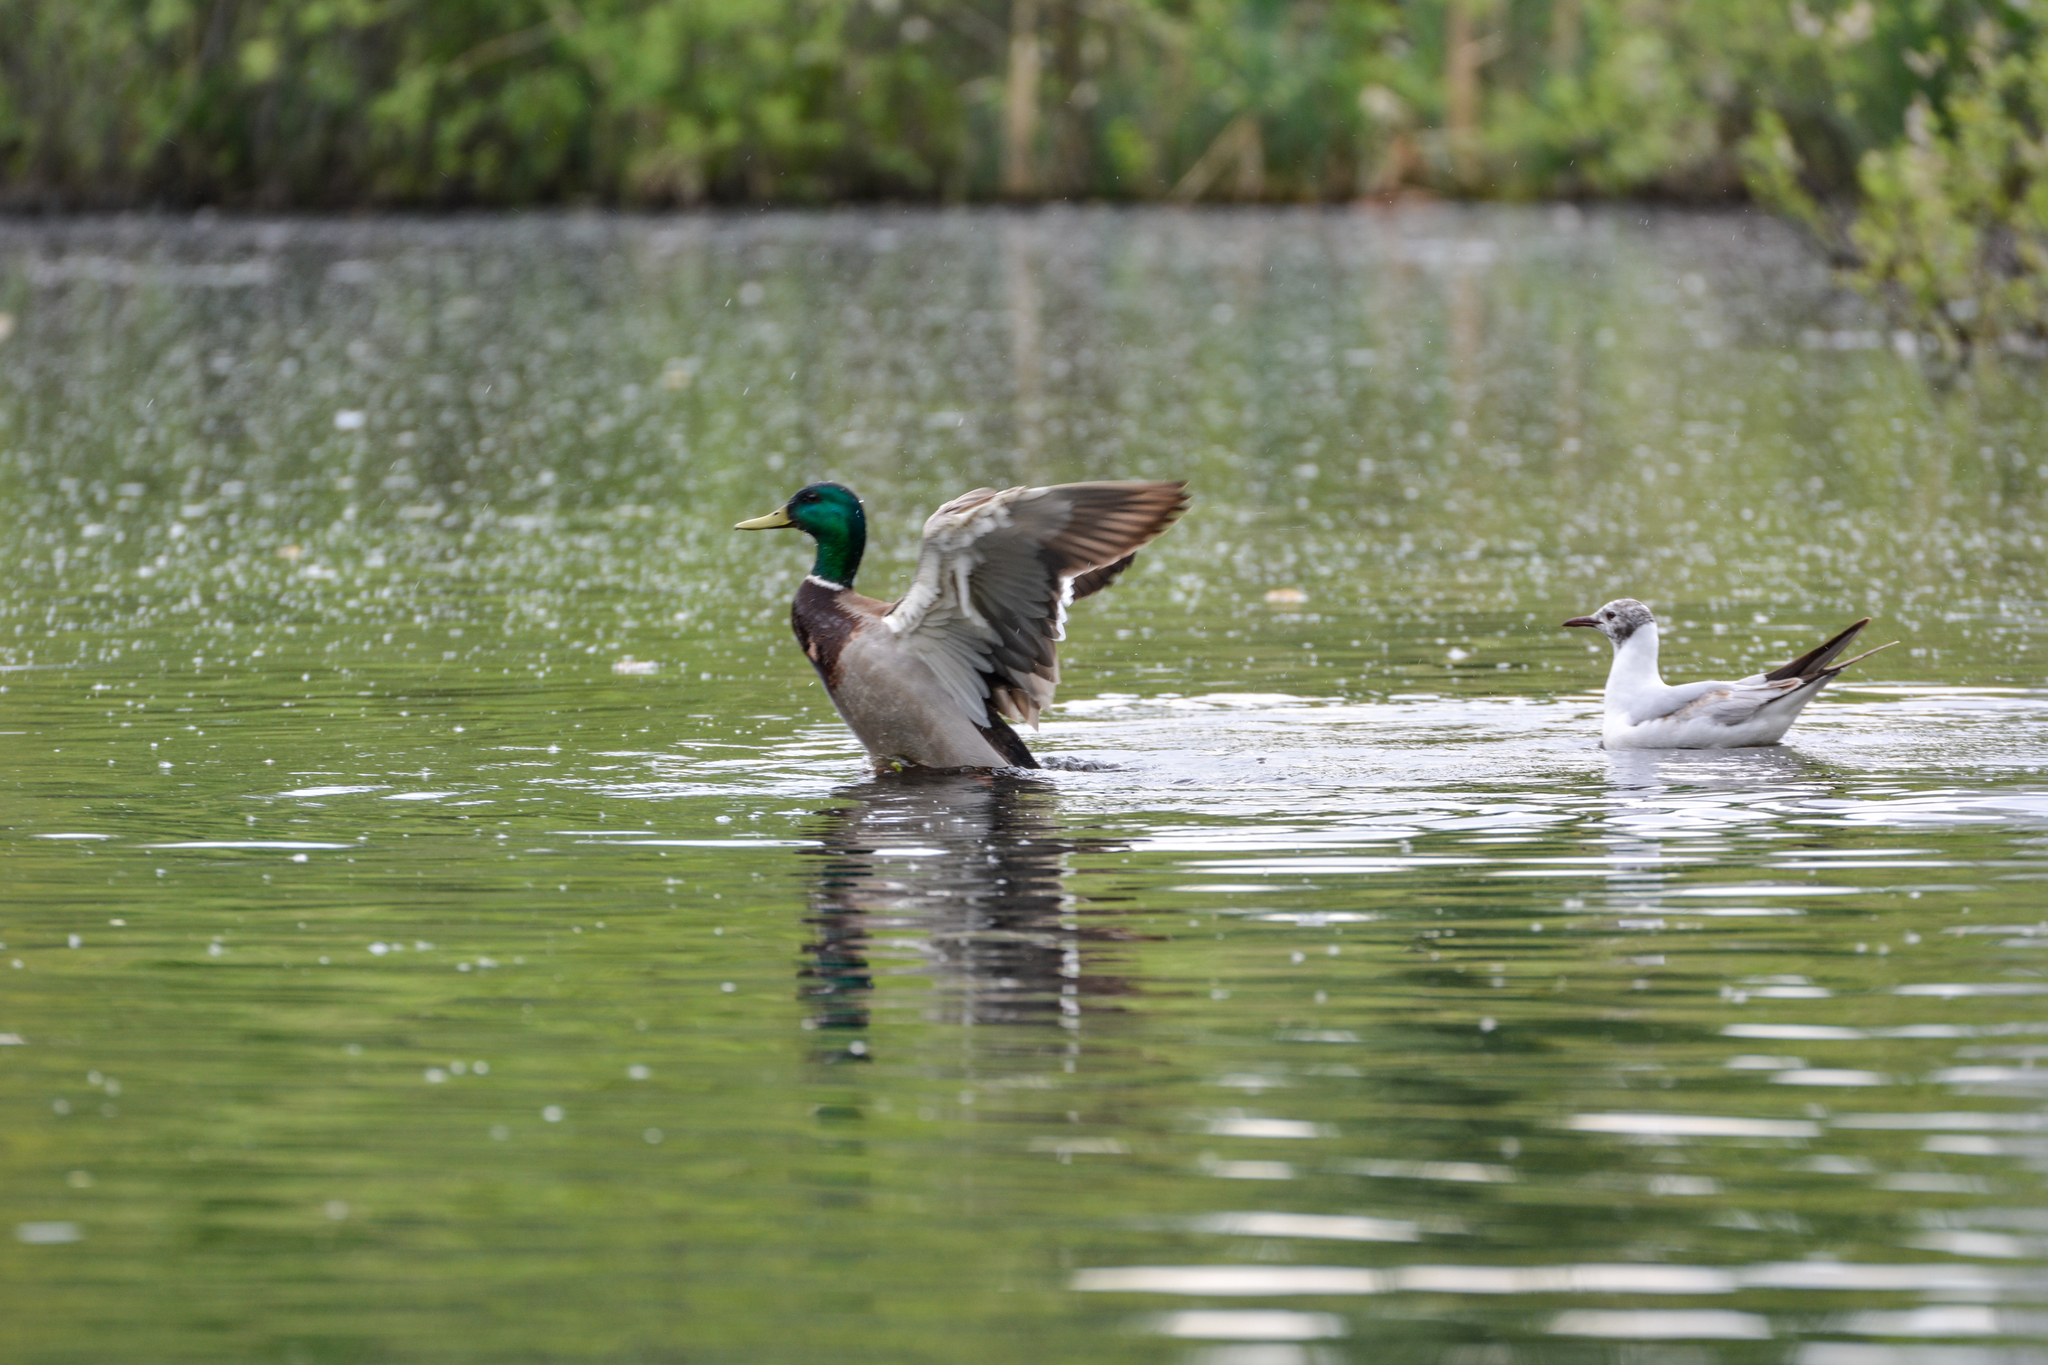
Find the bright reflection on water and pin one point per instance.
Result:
(445, 922)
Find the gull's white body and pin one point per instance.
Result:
(1645, 712)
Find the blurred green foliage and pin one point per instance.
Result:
(1908, 135)
(1950, 230)
(326, 103)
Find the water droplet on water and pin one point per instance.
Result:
(47, 1234)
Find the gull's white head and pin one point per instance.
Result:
(1618, 620)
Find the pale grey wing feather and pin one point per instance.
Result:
(1671, 700)
(956, 650)
(987, 606)
(1724, 703)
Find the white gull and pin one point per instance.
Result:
(1645, 712)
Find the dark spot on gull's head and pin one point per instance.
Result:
(1623, 617)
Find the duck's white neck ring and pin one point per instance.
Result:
(824, 582)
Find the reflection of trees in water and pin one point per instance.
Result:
(967, 870)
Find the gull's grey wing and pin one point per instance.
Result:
(1740, 703)
(1725, 703)
(1736, 703)
(1672, 700)
(987, 607)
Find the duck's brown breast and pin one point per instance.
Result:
(825, 618)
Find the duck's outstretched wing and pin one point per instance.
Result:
(988, 606)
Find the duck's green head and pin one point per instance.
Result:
(829, 514)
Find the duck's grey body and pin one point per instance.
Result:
(889, 697)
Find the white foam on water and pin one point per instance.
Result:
(1682, 1324)
(1262, 1325)
(1692, 1125)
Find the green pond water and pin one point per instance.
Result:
(444, 921)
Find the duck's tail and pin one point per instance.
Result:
(1007, 742)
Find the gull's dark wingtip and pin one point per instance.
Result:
(1815, 660)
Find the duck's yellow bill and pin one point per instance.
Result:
(774, 521)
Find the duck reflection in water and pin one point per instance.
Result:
(958, 877)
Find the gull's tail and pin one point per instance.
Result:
(1809, 684)
(1815, 661)
(1859, 658)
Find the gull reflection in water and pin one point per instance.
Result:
(959, 878)
(1671, 809)
(1762, 770)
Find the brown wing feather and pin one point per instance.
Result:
(1095, 580)
(1105, 524)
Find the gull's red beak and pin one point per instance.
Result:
(1583, 621)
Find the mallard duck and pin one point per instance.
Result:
(937, 678)
(1644, 712)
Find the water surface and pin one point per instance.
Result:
(445, 921)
